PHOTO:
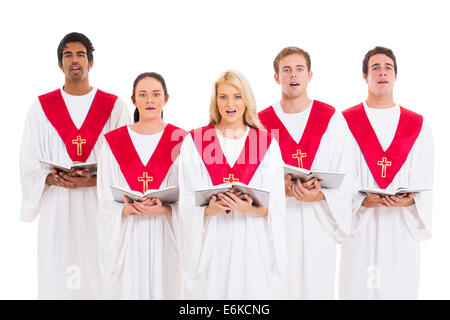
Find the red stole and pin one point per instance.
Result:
(384, 165)
(208, 146)
(300, 154)
(79, 143)
(139, 177)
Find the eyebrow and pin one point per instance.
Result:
(232, 94)
(65, 52)
(377, 64)
(299, 65)
(157, 90)
(227, 93)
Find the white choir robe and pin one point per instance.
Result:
(382, 259)
(235, 255)
(138, 254)
(67, 235)
(314, 228)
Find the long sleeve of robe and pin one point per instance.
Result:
(235, 255)
(382, 259)
(138, 254)
(67, 234)
(314, 228)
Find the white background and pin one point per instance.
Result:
(190, 43)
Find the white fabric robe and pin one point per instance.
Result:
(235, 255)
(381, 261)
(314, 228)
(138, 255)
(67, 234)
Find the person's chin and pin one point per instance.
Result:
(383, 91)
(294, 92)
(233, 120)
(151, 116)
(75, 77)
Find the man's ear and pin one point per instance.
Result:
(60, 66)
(310, 74)
(277, 78)
(365, 78)
(91, 63)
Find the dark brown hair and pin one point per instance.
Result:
(153, 75)
(378, 50)
(287, 52)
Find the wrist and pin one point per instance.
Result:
(210, 211)
(92, 181)
(165, 210)
(257, 211)
(317, 197)
(125, 212)
(48, 179)
(366, 204)
(320, 196)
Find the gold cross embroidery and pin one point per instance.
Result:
(78, 141)
(384, 163)
(145, 180)
(299, 156)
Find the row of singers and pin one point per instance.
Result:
(91, 246)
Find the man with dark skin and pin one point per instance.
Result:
(66, 126)
(75, 65)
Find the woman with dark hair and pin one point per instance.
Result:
(138, 251)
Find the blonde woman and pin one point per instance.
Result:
(231, 248)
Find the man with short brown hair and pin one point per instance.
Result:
(392, 148)
(311, 135)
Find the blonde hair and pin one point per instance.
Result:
(237, 80)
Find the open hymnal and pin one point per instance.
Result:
(330, 180)
(47, 164)
(392, 192)
(260, 197)
(166, 195)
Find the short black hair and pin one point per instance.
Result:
(76, 37)
(378, 50)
